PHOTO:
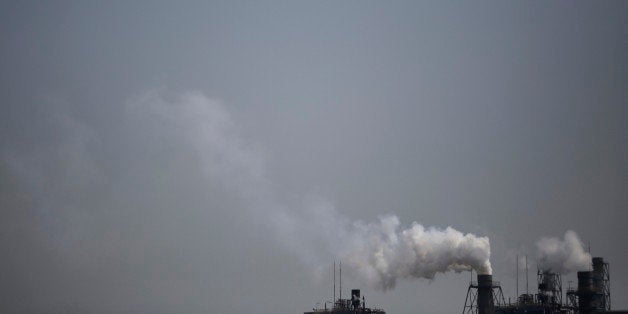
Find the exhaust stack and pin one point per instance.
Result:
(594, 289)
(486, 304)
(484, 296)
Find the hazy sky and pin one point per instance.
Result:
(188, 157)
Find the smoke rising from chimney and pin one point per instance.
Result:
(388, 253)
(563, 255)
(380, 252)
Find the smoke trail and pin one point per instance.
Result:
(381, 252)
(389, 253)
(563, 256)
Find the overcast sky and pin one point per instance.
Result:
(185, 157)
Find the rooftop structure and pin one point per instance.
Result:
(353, 305)
(592, 296)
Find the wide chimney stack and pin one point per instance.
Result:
(486, 303)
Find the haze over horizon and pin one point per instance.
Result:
(160, 157)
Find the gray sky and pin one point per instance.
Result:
(149, 150)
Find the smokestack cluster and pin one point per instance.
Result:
(563, 256)
(387, 253)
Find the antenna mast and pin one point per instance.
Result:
(334, 300)
(340, 280)
(590, 266)
(517, 295)
(527, 292)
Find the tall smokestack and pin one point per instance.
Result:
(592, 294)
(598, 274)
(486, 303)
(585, 291)
(599, 298)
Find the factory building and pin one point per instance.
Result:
(485, 296)
(355, 305)
(593, 294)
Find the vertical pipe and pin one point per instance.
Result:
(527, 291)
(586, 292)
(598, 282)
(485, 300)
(517, 295)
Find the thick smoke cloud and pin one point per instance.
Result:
(563, 256)
(381, 252)
(160, 137)
(389, 253)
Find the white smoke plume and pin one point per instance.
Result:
(202, 132)
(388, 253)
(380, 252)
(563, 255)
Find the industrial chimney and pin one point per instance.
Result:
(486, 304)
(483, 297)
(585, 291)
